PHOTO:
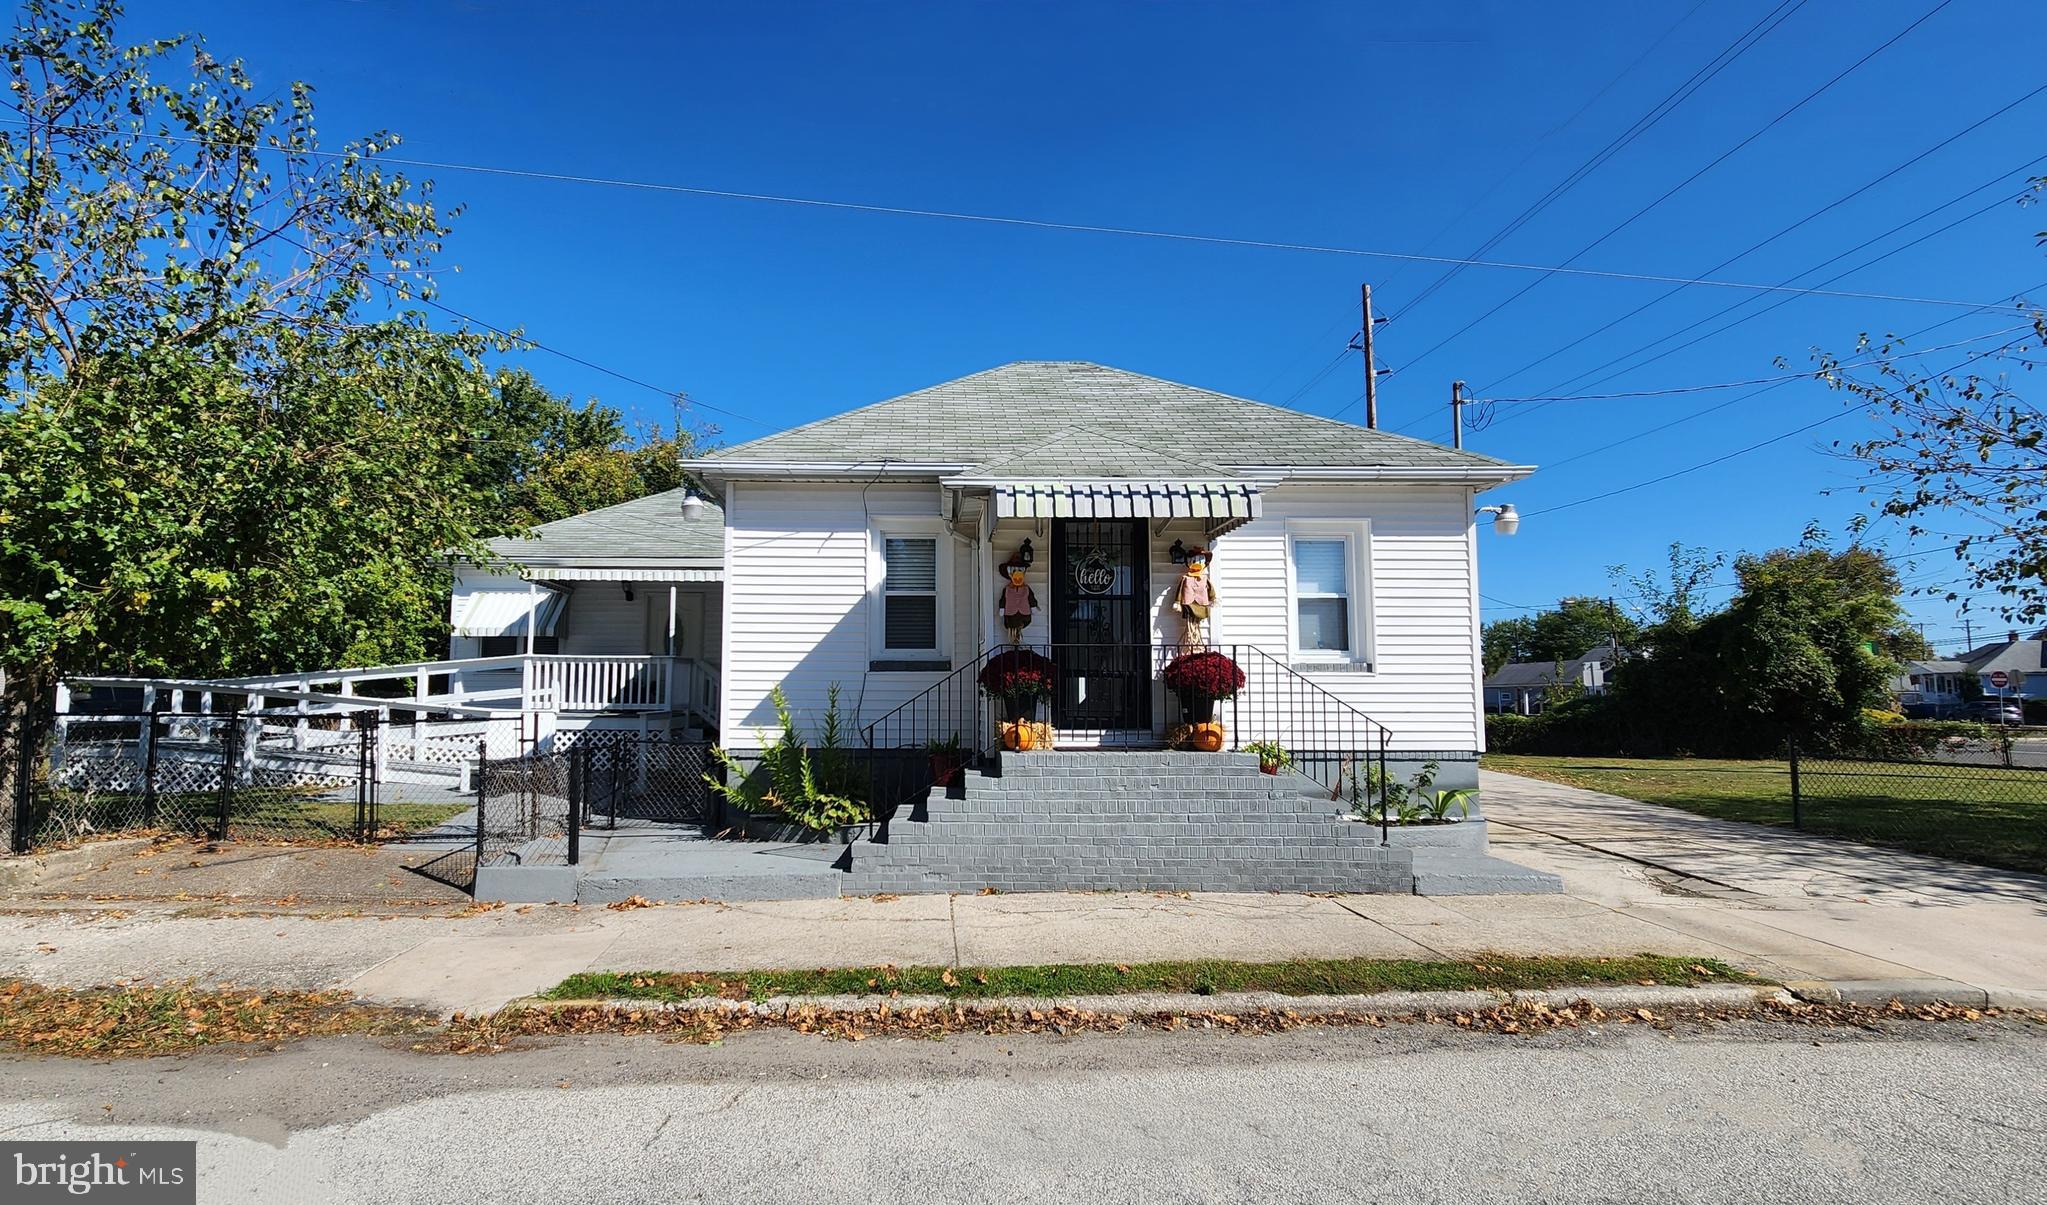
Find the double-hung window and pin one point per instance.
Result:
(1327, 582)
(909, 594)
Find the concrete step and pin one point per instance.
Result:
(1440, 871)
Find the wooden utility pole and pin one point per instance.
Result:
(1371, 365)
(1457, 415)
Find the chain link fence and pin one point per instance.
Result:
(353, 776)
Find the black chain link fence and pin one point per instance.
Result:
(354, 776)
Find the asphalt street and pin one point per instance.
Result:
(1914, 1112)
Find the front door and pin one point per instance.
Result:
(1101, 625)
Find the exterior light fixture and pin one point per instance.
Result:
(692, 505)
(1506, 520)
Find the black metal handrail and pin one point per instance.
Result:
(1119, 690)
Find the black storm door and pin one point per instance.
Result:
(1101, 624)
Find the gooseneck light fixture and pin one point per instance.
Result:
(1506, 520)
(692, 505)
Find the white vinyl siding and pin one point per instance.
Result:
(1413, 602)
(803, 601)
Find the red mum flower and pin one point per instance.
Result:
(1208, 675)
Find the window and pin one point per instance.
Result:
(909, 593)
(514, 646)
(1322, 604)
(1329, 603)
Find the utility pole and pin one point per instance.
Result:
(1968, 633)
(1371, 365)
(1457, 415)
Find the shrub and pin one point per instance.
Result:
(820, 792)
(1019, 674)
(1912, 739)
(1204, 675)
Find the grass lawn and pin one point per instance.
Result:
(1304, 977)
(1983, 814)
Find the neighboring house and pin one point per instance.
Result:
(613, 610)
(2021, 663)
(1523, 687)
(862, 551)
(1931, 683)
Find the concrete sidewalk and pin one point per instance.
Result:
(1638, 879)
(1813, 907)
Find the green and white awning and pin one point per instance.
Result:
(504, 612)
(1217, 505)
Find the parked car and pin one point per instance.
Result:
(1993, 711)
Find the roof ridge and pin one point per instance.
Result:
(1076, 429)
(900, 397)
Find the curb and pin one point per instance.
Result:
(27, 869)
(1908, 991)
(1725, 995)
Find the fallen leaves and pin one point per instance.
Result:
(631, 902)
(173, 1019)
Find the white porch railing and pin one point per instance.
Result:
(471, 686)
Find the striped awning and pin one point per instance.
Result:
(1218, 503)
(504, 612)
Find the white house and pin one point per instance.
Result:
(862, 551)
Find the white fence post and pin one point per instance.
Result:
(383, 744)
(302, 726)
(62, 728)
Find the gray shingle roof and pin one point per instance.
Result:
(1542, 673)
(990, 417)
(645, 530)
(2027, 656)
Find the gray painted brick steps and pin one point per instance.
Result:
(1115, 820)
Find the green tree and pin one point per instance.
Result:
(548, 458)
(218, 453)
(1961, 445)
(1576, 625)
(1799, 650)
(1672, 597)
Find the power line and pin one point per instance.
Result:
(1089, 228)
(1552, 132)
(1783, 377)
(1843, 274)
(1752, 248)
(1705, 464)
(1683, 184)
(1698, 414)
(1642, 125)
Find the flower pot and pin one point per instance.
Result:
(1268, 767)
(1197, 709)
(945, 770)
(1019, 708)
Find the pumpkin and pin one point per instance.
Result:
(1208, 737)
(1021, 737)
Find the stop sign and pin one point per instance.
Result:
(1999, 679)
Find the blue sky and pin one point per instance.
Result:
(1377, 126)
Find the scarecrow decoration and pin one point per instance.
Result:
(1018, 600)
(1196, 597)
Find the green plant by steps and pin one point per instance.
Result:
(947, 747)
(1271, 753)
(820, 789)
(1415, 801)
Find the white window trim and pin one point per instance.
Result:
(1357, 537)
(879, 529)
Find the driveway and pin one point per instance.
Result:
(1815, 907)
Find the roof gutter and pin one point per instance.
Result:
(1482, 476)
